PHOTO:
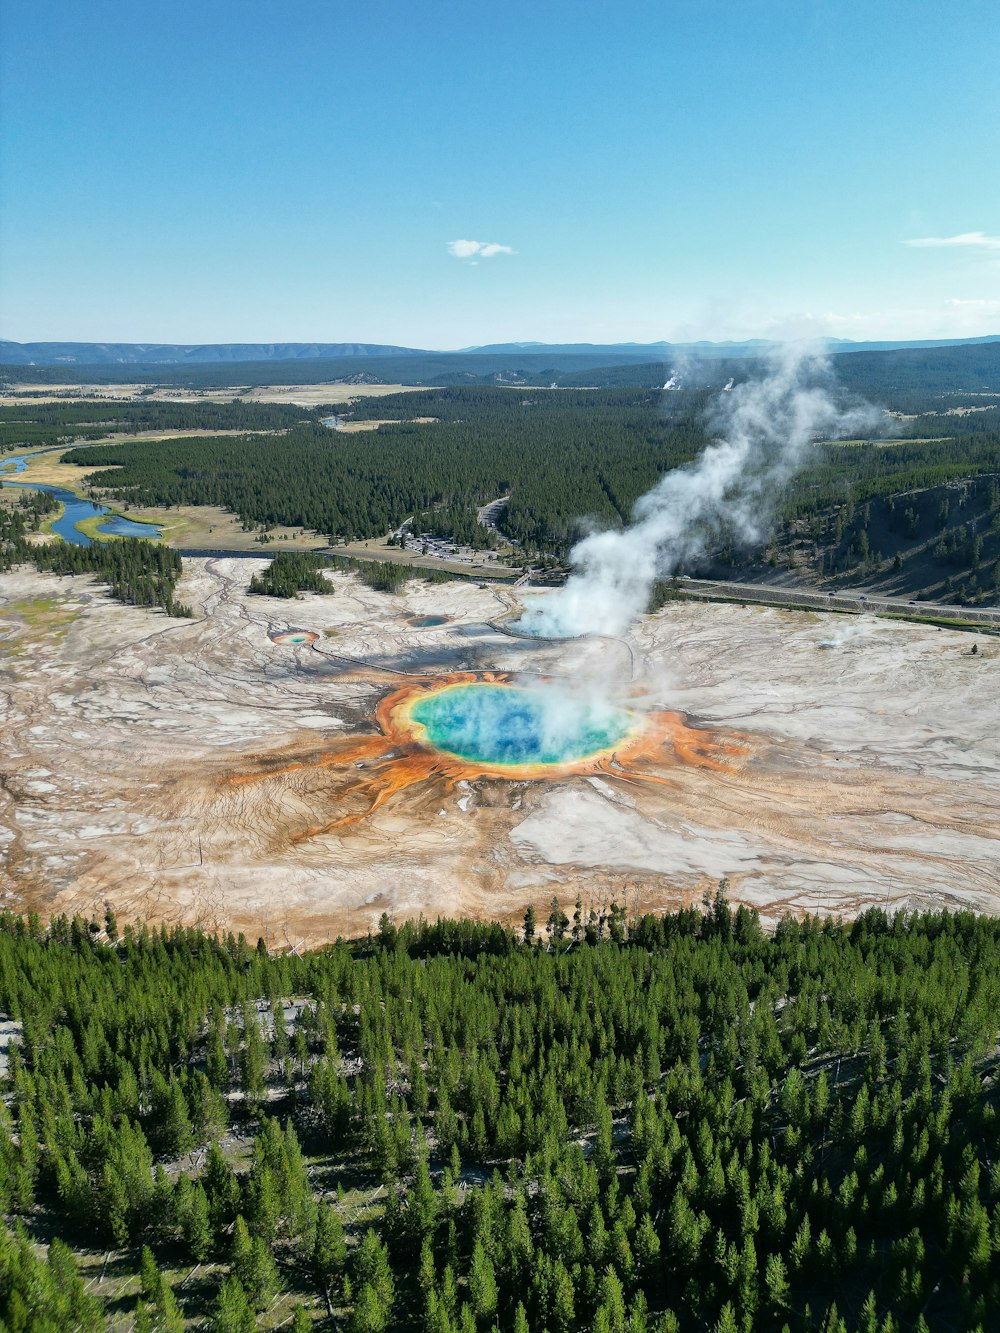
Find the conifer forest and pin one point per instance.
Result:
(599, 1123)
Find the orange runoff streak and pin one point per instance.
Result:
(400, 759)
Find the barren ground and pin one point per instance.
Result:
(870, 771)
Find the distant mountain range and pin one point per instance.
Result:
(179, 354)
(176, 354)
(752, 347)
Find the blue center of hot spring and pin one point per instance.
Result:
(503, 724)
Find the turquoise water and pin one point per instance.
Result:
(503, 724)
(76, 510)
(293, 636)
(428, 622)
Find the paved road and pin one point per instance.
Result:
(847, 600)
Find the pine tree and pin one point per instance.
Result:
(647, 1246)
(216, 1063)
(252, 1058)
(176, 1134)
(113, 1205)
(421, 1202)
(562, 1299)
(482, 1283)
(329, 1250)
(222, 1190)
(233, 1311)
(253, 1266)
(301, 1323)
(557, 921)
(149, 1274)
(776, 1280)
(611, 1301)
(727, 1321)
(530, 925)
(373, 1285)
(168, 1316)
(436, 1318)
(370, 1313)
(263, 1203)
(194, 1217)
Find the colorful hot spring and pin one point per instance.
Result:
(428, 622)
(486, 723)
(294, 638)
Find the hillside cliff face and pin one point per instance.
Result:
(940, 543)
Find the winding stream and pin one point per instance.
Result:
(75, 510)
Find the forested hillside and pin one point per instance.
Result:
(928, 522)
(676, 1123)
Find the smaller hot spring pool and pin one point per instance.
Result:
(427, 622)
(293, 638)
(509, 725)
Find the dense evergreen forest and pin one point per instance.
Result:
(365, 485)
(35, 425)
(567, 457)
(664, 1124)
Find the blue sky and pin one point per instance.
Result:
(689, 168)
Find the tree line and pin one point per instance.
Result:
(35, 425)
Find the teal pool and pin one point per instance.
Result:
(505, 724)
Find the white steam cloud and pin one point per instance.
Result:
(763, 429)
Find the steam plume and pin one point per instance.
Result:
(763, 429)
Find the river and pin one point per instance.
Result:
(75, 510)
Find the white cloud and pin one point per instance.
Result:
(973, 303)
(976, 240)
(484, 249)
